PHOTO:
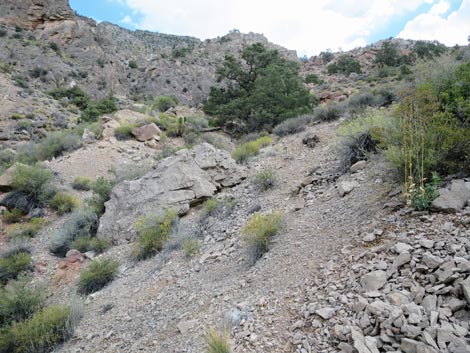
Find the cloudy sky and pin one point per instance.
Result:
(308, 26)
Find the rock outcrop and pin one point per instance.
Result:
(29, 14)
(176, 183)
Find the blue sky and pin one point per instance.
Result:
(303, 25)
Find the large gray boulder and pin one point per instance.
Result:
(177, 182)
(453, 198)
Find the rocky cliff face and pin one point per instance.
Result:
(29, 14)
(103, 58)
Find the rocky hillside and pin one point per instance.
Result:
(63, 49)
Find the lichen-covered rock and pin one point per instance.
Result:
(176, 182)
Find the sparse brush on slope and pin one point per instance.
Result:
(258, 231)
(81, 223)
(154, 231)
(97, 275)
(217, 342)
(42, 332)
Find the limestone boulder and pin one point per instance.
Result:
(146, 132)
(177, 183)
(453, 198)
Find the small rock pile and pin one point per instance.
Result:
(412, 295)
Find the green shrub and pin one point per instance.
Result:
(56, 143)
(133, 64)
(210, 206)
(345, 65)
(13, 216)
(422, 197)
(361, 136)
(97, 275)
(164, 103)
(258, 231)
(81, 223)
(312, 78)
(217, 342)
(27, 230)
(75, 95)
(89, 243)
(31, 188)
(19, 301)
(191, 246)
(124, 131)
(102, 187)
(153, 232)
(64, 203)
(80, 183)
(12, 264)
(42, 332)
(265, 180)
(329, 112)
(250, 149)
(326, 56)
(293, 126)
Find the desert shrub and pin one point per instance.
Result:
(80, 183)
(428, 50)
(250, 149)
(89, 243)
(153, 231)
(31, 186)
(56, 143)
(64, 203)
(191, 246)
(422, 197)
(54, 46)
(258, 231)
(75, 95)
(344, 65)
(124, 131)
(361, 136)
(3, 32)
(326, 56)
(13, 263)
(210, 206)
(265, 179)
(42, 332)
(217, 342)
(329, 112)
(13, 216)
(19, 301)
(102, 187)
(37, 72)
(97, 275)
(27, 230)
(83, 222)
(163, 103)
(312, 78)
(133, 64)
(293, 126)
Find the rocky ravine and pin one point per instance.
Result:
(167, 303)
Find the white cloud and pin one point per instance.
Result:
(450, 30)
(128, 20)
(304, 25)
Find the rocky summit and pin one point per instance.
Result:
(160, 193)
